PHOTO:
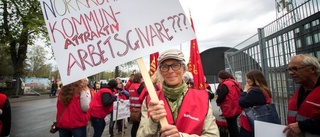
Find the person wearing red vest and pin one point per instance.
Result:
(188, 111)
(102, 105)
(118, 91)
(256, 92)
(144, 90)
(304, 106)
(129, 82)
(134, 99)
(5, 116)
(228, 98)
(72, 106)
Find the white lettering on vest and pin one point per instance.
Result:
(313, 103)
(191, 117)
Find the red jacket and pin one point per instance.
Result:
(72, 117)
(97, 110)
(3, 99)
(192, 112)
(309, 108)
(128, 85)
(145, 92)
(134, 96)
(230, 106)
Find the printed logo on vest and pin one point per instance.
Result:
(318, 105)
(191, 117)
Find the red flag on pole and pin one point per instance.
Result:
(153, 62)
(195, 64)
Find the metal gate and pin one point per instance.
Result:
(270, 49)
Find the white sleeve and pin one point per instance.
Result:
(84, 103)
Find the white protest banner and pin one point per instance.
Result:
(265, 129)
(123, 109)
(91, 36)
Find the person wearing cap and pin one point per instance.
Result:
(188, 111)
(102, 105)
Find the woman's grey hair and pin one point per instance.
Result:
(158, 73)
(308, 59)
(187, 77)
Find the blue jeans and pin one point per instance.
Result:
(98, 126)
(76, 132)
(111, 125)
(245, 133)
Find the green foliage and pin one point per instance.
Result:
(6, 67)
(21, 24)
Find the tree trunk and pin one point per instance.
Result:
(116, 72)
(18, 51)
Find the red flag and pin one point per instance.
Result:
(153, 62)
(195, 64)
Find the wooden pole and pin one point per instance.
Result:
(150, 87)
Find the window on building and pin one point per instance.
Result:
(297, 30)
(308, 40)
(316, 37)
(298, 43)
(306, 26)
(315, 22)
(318, 55)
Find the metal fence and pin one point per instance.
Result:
(270, 49)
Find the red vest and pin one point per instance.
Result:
(192, 112)
(134, 96)
(244, 122)
(3, 99)
(309, 109)
(230, 106)
(128, 85)
(97, 110)
(145, 92)
(72, 117)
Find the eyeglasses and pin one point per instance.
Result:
(174, 66)
(295, 69)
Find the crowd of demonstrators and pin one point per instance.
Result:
(72, 106)
(256, 92)
(78, 103)
(134, 100)
(227, 99)
(102, 105)
(303, 106)
(5, 116)
(188, 111)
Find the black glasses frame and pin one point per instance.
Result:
(295, 69)
(174, 66)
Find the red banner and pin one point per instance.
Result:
(153, 62)
(195, 64)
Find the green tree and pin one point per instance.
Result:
(6, 68)
(36, 58)
(21, 23)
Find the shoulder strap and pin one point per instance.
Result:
(61, 113)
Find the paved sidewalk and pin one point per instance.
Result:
(23, 98)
